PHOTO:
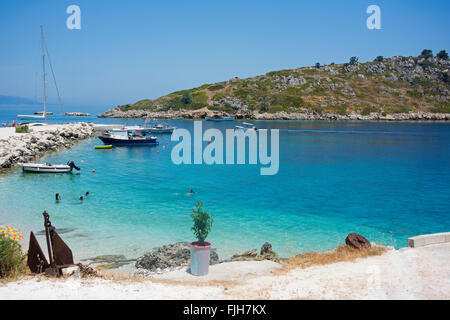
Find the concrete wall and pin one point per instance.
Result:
(427, 239)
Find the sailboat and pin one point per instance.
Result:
(44, 113)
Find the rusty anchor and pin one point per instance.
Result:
(59, 253)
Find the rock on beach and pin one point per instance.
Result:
(170, 256)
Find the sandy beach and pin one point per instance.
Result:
(407, 273)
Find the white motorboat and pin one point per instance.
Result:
(160, 128)
(247, 126)
(48, 168)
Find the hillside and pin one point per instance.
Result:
(396, 87)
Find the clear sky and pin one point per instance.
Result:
(132, 50)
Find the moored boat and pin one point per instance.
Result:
(160, 128)
(109, 146)
(127, 137)
(48, 168)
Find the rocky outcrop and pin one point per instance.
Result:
(77, 114)
(30, 146)
(305, 115)
(266, 253)
(170, 256)
(311, 115)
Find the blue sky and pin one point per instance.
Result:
(132, 50)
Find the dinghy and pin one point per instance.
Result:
(48, 168)
(109, 146)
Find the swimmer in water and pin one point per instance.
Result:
(87, 193)
(81, 198)
(190, 192)
(58, 197)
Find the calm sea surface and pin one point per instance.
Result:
(387, 181)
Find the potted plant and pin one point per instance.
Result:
(200, 250)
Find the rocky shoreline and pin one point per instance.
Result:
(30, 146)
(306, 115)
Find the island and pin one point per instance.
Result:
(395, 88)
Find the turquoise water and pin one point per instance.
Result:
(387, 181)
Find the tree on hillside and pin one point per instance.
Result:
(442, 55)
(379, 58)
(317, 65)
(353, 60)
(186, 98)
(426, 53)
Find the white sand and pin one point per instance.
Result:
(421, 273)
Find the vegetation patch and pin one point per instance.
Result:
(340, 254)
(22, 129)
(12, 259)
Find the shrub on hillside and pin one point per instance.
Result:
(442, 55)
(426, 53)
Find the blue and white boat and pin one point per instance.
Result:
(123, 137)
(160, 128)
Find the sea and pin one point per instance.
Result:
(385, 180)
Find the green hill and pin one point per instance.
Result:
(384, 86)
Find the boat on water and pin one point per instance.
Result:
(123, 137)
(219, 118)
(247, 126)
(44, 113)
(109, 146)
(48, 167)
(160, 128)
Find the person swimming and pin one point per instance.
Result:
(87, 193)
(190, 192)
(58, 197)
(81, 198)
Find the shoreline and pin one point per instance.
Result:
(407, 273)
(202, 113)
(25, 147)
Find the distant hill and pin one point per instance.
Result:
(16, 100)
(384, 86)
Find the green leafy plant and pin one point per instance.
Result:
(202, 223)
(22, 129)
(12, 260)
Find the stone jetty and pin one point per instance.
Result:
(26, 147)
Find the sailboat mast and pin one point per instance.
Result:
(43, 69)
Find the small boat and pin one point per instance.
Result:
(160, 128)
(219, 118)
(48, 168)
(109, 146)
(247, 126)
(30, 117)
(127, 137)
